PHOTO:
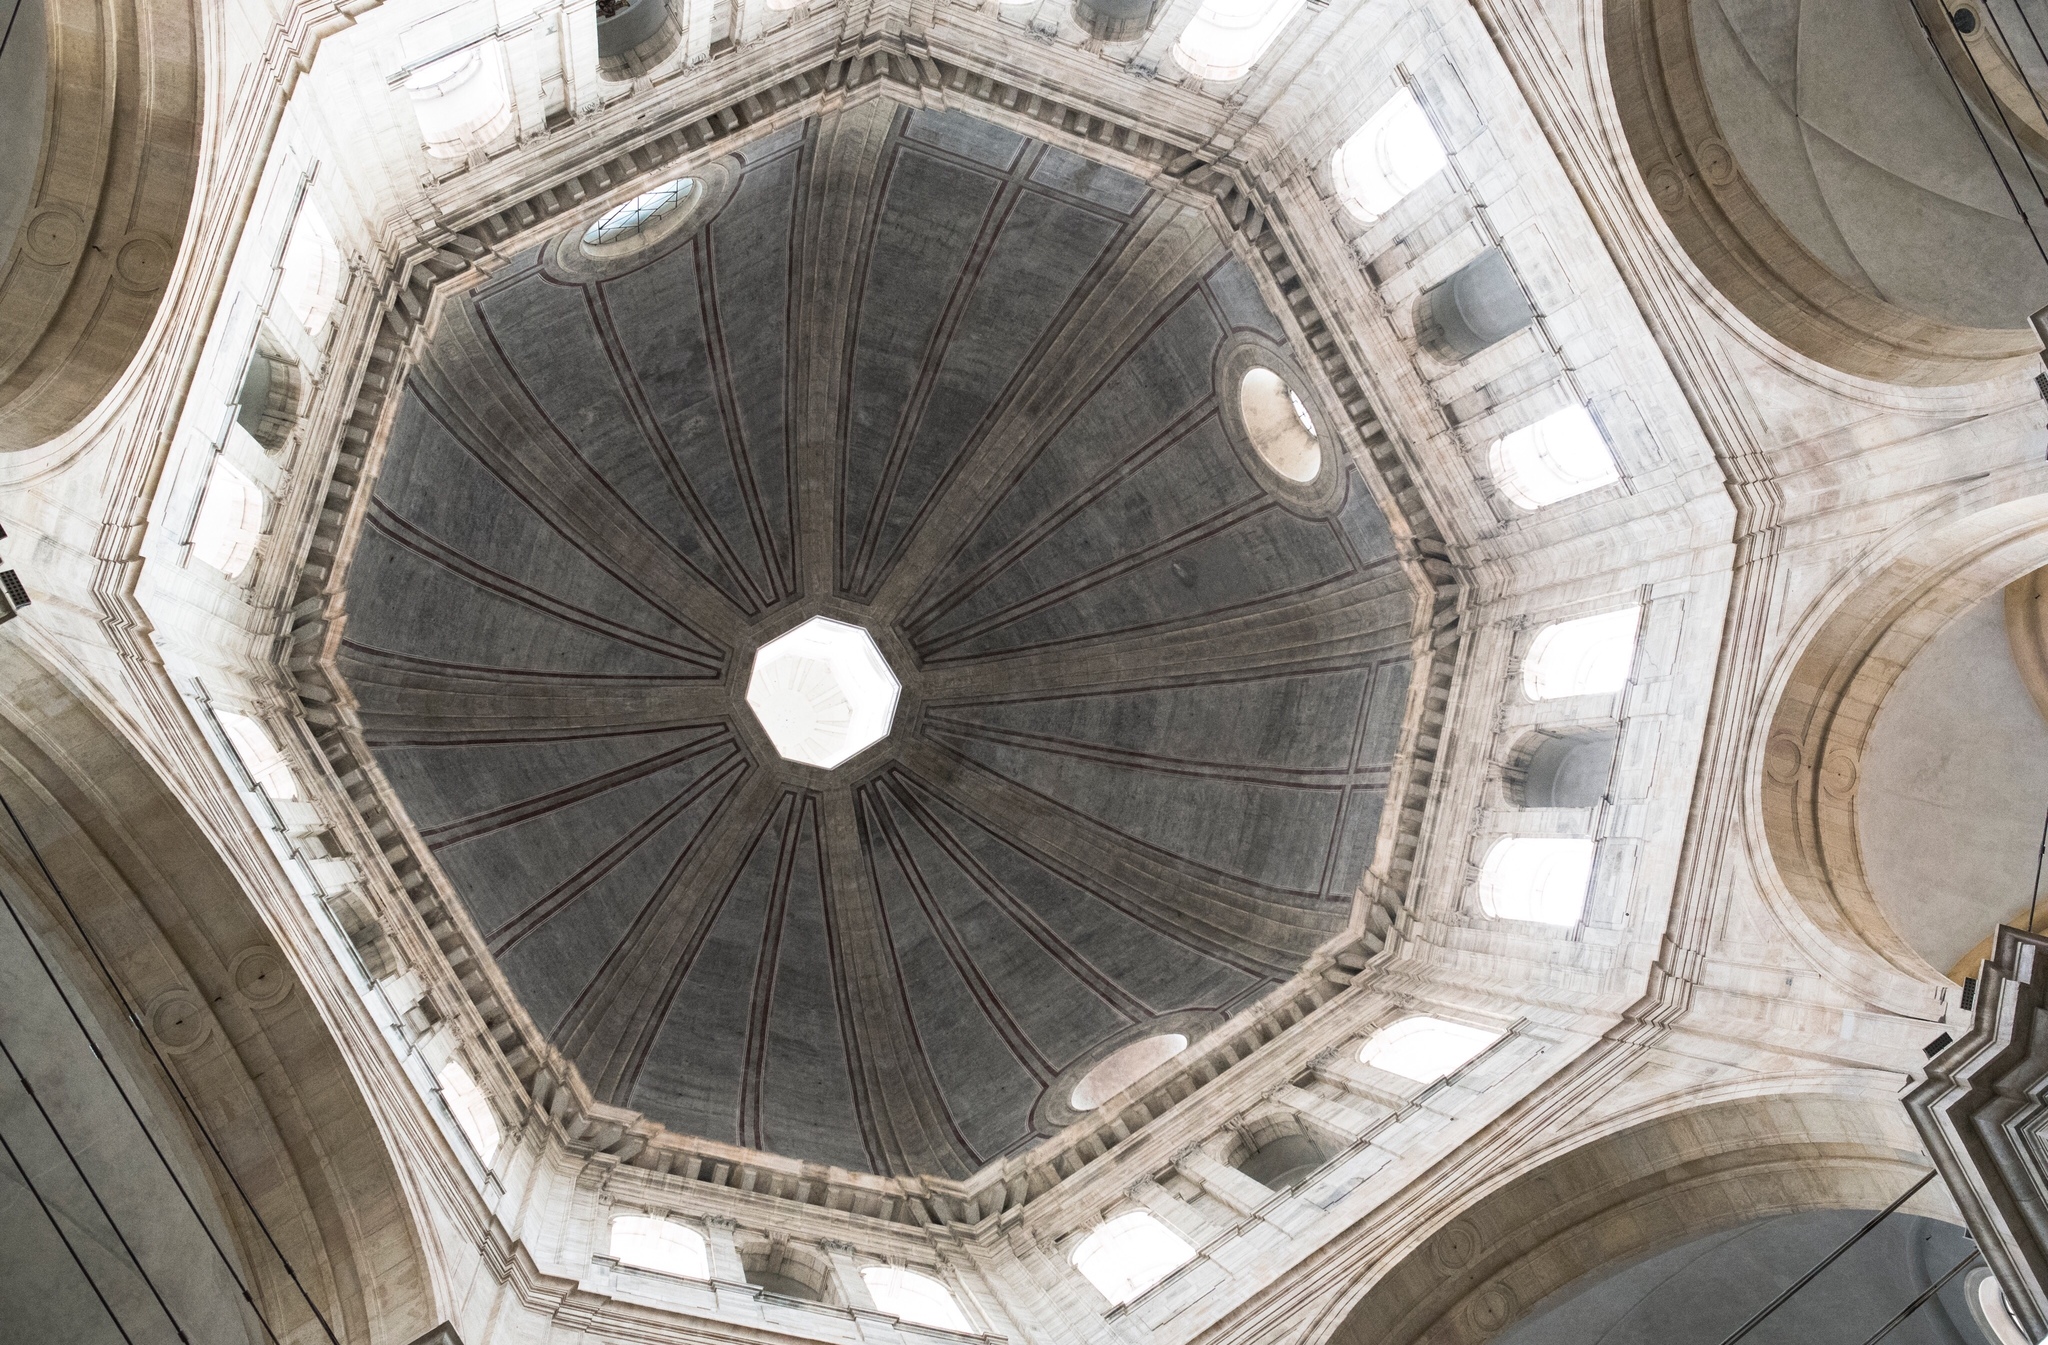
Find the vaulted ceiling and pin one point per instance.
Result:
(910, 370)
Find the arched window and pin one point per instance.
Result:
(1536, 878)
(310, 274)
(1130, 1254)
(1123, 1067)
(1226, 37)
(657, 1244)
(1395, 152)
(470, 1108)
(461, 100)
(638, 222)
(260, 755)
(1562, 455)
(1583, 657)
(915, 1298)
(230, 519)
(1425, 1049)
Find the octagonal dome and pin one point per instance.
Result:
(822, 692)
(979, 395)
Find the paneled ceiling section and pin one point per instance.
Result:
(914, 371)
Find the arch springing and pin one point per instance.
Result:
(1536, 878)
(1562, 455)
(1130, 1254)
(1424, 1048)
(660, 1245)
(1226, 37)
(1395, 152)
(1583, 657)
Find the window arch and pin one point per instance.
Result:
(267, 400)
(310, 273)
(460, 100)
(1583, 657)
(1130, 1254)
(1384, 160)
(260, 754)
(1425, 1049)
(230, 520)
(1226, 37)
(1562, 455)
(660, 1245)
(1537, 878)
(1123, 1067)
(915, 1298)
(470, 1108)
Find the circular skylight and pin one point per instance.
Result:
(628, 224)
(822, 692)
(1279, 425)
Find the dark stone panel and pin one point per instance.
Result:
(1075, 176)
(1166, 974)
(1056, 1010)
(935, 213)
(978, 1073)
(1382, 735)
(1253, 720)
(1262, 832)
(969, 137)
(549, 336)
(808, 1093)
(1237, 293)
(437, 487)
(444, 784)
(696, 1071)
(422, 609)
(504, 873)
(1035, 268)
(1357, 834)
(1365, 528)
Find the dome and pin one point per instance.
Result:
(973, 396)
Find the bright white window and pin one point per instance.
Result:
(1278, 423)
(1536, 878)
(628, 223)
(1226, 37)
(461, 100)
(1123, 1067)
(260, 755)
(309, 276)
(915, 1298)
(230, 520)
(822, 692)
(658, 1244)
(1130, 1254)
(1425, 1049)
(1395, 152)
(1583, 657)
(1562, 455)
(471, 1109)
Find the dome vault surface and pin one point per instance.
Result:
(966, 391)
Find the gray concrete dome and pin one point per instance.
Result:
(915, 372)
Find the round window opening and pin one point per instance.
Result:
(1123, 1067)
(1279, 425)
(640, 221)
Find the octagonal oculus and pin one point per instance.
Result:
(822, 692)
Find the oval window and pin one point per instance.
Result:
(1279, 425)
(1123, 1067)
(640, 221)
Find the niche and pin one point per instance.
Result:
(1565, 768)
(1478, 305)
(634, 36)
